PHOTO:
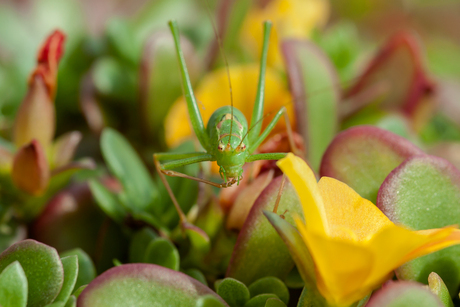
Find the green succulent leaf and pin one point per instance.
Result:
(71, 302)
(143, 285)
(438, 287)
(86, 269)
(79, 290)
(70, 265)
(260, 300)
(234, 292)
(402, 294)
(268, 285)
(274, 302)
(42, 267)
(258, 237)
(125, 164)
(162, 252)
(107, 201)
(197, 274)
(13, 286)
(423, 193)
(208, 301)
(139, 243)
(313, 81)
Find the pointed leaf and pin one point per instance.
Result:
(398, 65)
(70, 265)
(311, 298)
(126, 165)
(72, 302)
(297, 248)
(30, 170)
(43, 269)
(107, 201)
(363, 156)
(13, 286)
(64, 148)
(86, 269)
(310, 71)
(142, 285)
(438, 287)
(423, 193)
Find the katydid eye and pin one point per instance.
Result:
(220, 147)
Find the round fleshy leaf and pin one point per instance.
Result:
(209, 301)
(438, 287)
(72, 302)
(86, 269)
(270, 285)
(70, 265)
(363, 156)
(258, 237)
(143, 285)
(139, 243)
(403, 294)
(162, 252)
(259, 300)
(43, 269)
(274, 302)
(79, 291)
(424, 193)
(13, 286)
(234, 292)
(197, 274)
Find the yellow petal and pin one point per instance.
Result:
(213, 93)
(342, 266)
(348, 214)
(304, 182)
(291, 19)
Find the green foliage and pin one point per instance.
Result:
(139, 191)
(259, 235)
(423, 193)
(70, 265)
(42, 267)
(86, 269)
(13, 286)
(234, 292)
(162, 252)
(268, 285)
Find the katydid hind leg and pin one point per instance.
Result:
(257, 113)
(192, 106)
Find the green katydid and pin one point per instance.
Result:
(227, 138)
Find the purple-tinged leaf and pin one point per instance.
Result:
(404, 293)
(313, 82)
(423, 193)
(363, 156)
(42, 267)
(143, 285)
(258, 237)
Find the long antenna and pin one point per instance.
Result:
(221, 49)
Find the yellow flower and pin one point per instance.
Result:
(291, 19)
(354, 246)
(213, 93)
